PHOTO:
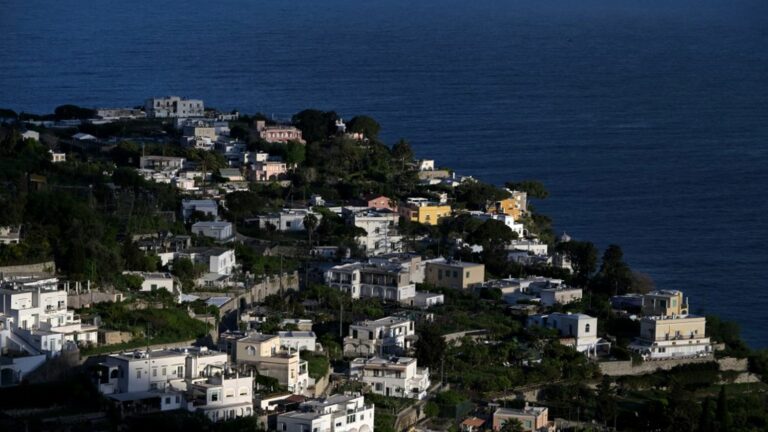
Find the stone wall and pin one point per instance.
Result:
(48, 267)
(619, 368)
(85, 299)
(111, 337)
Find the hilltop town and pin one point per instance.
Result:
(173, 265)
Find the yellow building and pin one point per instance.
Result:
(454, 274)
(664, 303)
(429, 214)
(663, 337)
(515, 206)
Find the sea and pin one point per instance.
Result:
(647, 120)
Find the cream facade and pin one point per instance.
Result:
(396, 376)
(663, 337)
(533, 419)
(266, 355)
(665, 303)
(454, 274)
(337, 413)
(389, 335)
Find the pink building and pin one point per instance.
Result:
(268, 170)
(380, 202)
(279, 133)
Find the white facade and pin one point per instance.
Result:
(389, 335)
(552, 296)
(507, 220)
(220, 261)
(381, 231)
(37, 321)
(668, 337)
(580, 327)
(10, 234)
(208, 207)
(338, 413)
(396, 376)
(426, 165)
(298, 340)
(287, 219)
(425, 300)
(174, 106)
(217, 230)
(383, 281)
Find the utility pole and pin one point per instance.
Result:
(341, 319)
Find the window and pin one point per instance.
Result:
(467, 275)
(379, 387)
(586, 328)
(214, 396)
(163, 371)
(455, 274)
(250, 350)
(180, 371)
(138, 374)
(168, 400)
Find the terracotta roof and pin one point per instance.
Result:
(473, 422)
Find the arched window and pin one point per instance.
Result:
(586, 328)
(250, 350)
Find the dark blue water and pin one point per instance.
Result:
(647, 120)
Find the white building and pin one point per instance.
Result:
(565, 295)
(208, 207)
(57, 157)
(173, 106)
(30, 134)
(383, 281)
(677, 336)
(298, 340)
(507, 220)
(194, 379)
(220, 261)
(535, 247)
(36, 320)
(218, 230)
(426, 165)
(381, 236)
(390, 335)
(396, 376)
(337, 413)
(162, 163)
(10, 234)
(155, 281)
(286, 220)
(581, 328)
(425, 299)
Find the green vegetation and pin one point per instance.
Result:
(317, 364)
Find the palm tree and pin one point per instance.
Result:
(310, 224)
(512, 425)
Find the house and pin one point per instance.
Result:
(119, 113)
(579, 329)
(278, 133)
(299, 323)
(472, 424)
(454, 274)
(286, 219)
(564, 295)
(185, 184)
(10, 234)
(173, 106)
(162, 163)
(394, 376)
(533, 247)
(533, 419)
(383, 281)
(219, 260)
(35, 320)
(664, 303)
(409, 262)
(268, 170)
(426, 165)
(200, 130)
(390, 335)
(516, 205)
(57, 157)
(423, 211)
(425, 300)
(381, 236)
(231, 174)
(337, 413)
(220, 231)
(207, 207)
(155, 281)
(265, 354)
(30, 134)
(666, 337)
(380, 202)
(83, 137)
(193, 378)
(507, 220)
(298, 340)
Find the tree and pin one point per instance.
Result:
(402, 152)
(365, 125)
(512, 425)
(315, 125)
(583, 256)
(70, 112)
(723, 416)
(430, 348)
(534, 188)
(615, 276)
(310, 224)
(295, 153)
